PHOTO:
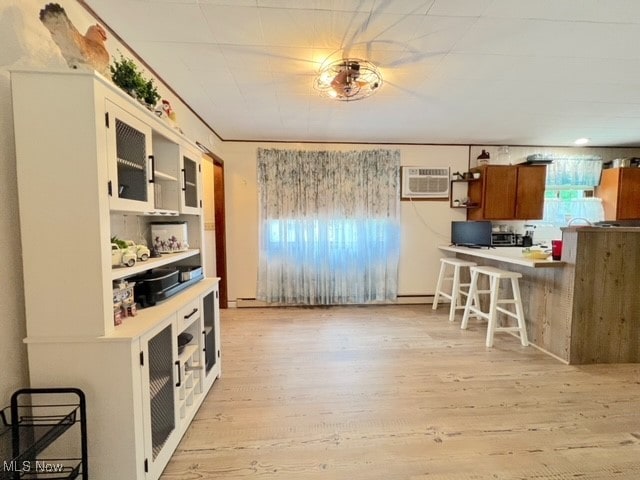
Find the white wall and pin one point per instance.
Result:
(425, 224)
(26, 43)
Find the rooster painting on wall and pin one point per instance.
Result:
(80, 51)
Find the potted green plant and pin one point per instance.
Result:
(125, 74)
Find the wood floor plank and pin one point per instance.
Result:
(399, 392)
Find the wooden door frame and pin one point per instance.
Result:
(219, 219)
(220, 228)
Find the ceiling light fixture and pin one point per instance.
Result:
(348, 79)
(581, 141)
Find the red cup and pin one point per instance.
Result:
(556, 249)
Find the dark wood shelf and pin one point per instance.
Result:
(466, 207)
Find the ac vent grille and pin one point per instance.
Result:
(418, 182)
(438, 172)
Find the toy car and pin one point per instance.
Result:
(122, 256)
(141, 251)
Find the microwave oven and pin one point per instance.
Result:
(503, 239)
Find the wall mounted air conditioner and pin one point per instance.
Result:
(425, 182)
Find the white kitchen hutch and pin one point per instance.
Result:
(93, 163)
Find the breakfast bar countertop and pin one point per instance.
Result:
(503, 254)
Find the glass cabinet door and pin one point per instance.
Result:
(190, 202)
(159, 374)
(129, 154)
(211, 337)
(209, 315)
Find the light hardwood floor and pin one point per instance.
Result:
(398, 392)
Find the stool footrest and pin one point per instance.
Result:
(507, 312)
(476, 312)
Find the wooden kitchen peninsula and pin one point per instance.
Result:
(587, 308)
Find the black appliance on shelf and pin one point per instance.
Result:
(507, 239)
(503, 239)
(159, 284)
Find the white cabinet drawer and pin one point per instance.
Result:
(189, 314)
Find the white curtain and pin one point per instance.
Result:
(558, 211)
(574, 171)
(329, 226)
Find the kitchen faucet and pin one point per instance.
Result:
(570, 222)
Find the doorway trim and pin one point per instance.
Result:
(220, 228)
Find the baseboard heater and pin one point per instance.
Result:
(417, 299)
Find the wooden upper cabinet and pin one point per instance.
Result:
(530, 192)
(508, 192)
(619, 190)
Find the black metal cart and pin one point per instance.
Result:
(37, 418)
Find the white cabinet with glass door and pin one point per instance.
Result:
(142, 390)
(129, 153)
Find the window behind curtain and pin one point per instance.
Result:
(329, 226)
(569, 190)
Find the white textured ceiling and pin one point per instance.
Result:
(512, 72)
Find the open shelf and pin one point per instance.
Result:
(189, 350)
(166, 258)
(451, 193)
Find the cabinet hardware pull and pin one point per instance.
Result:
(184, 179)
(204, 342)
(153, 169)
(187, 317)
(179, 373)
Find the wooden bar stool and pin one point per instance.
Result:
(472, 306)
(454, 295)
